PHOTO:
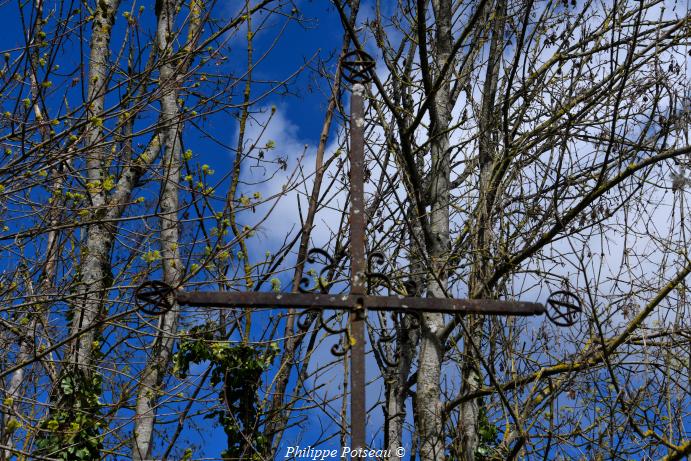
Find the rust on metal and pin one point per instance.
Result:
(358, 279)
(156, 298)
(349, 302)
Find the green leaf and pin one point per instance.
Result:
(66, 386)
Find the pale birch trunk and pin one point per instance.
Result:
(429, 408)
(94, 268)
(396, 387)
(26, 339)
(12, 395)
(171, 127)
(95, 254)
(26, 346)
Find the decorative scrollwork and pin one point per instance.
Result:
(387, 346)
(338, 350)
(307, 317)
(385, 339)
(156, 294)
(321, 283)
(357, 67)
(377, 278)
(563, 308)
(326, 324)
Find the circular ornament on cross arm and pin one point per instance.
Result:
(357, 66)
(154, 297)
(563, 308)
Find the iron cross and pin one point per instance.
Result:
(358, 66)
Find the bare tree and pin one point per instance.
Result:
(76, 152)
(524, 133)
(514, 149)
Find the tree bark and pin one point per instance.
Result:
(396, 382)
(429, 407)
(171, 126)
(95, 254)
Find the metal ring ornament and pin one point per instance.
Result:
(357, 67)
(156, 294)
(563, 308)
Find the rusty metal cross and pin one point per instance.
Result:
(155, 297)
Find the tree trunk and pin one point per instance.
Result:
(95, 254)
(162, 347)
(481, 238)
(429, 407)
(396, 382)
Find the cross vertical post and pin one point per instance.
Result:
(155, 297)
(358, 288)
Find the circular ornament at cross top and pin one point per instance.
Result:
(563, 308)
(154, 297)
(357, 66)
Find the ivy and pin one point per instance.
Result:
(486, 449)
(488, 433)
(72, 430)
(237, 369)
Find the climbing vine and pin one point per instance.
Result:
(237, 370)
(72, 430)
(488, 433)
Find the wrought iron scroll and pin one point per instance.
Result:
(308, 316)
(387, 338)
(322, 285)
(376, 277)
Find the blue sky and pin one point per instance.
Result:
(294, 129)
(290, 45)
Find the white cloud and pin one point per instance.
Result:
(284, 176)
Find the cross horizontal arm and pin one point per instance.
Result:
(266, 300)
